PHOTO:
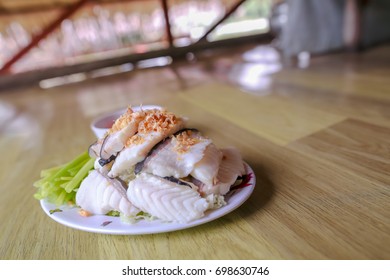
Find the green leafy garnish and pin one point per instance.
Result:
(58, 185)
(55, 211)
(113, 213)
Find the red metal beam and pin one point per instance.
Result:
(45, 32)
(228, 14)
(164, 4)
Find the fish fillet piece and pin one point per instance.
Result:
(157, 125)
(99, 195)
(231, 167)
(115, 139)
(206, 170)
(166, 200)
(177, 155)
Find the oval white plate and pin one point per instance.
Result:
(70, 217)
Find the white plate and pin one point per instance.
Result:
(70, 217)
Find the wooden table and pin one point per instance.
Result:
(318, 140)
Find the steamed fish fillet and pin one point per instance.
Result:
(102, 169)
(166, 200)
(177, 156)
(231, 167)
(134, 153)
(206, 170)
(156, 126)
(115, 139)
(99, 195)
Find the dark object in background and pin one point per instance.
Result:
(318, 27)
(278, 18)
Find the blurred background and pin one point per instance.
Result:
(42, 39)
(73, 36)
(94, 30)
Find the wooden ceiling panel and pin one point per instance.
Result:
(25, 6)
(15, 4)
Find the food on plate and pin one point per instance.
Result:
(99, 194)
(167, 199)
(149, 164)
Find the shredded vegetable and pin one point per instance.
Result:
(58, 185)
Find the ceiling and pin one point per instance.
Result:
(9, 7)
(33, 15)
(15, 6)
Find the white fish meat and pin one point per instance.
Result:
(156, 126)
(99, 195)
(115, 139)
(206, 170)
(230, 168)
(178, 155)
(166, 200)
(148, 163)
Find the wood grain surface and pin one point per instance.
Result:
(317, 138)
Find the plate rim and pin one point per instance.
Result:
(147, 227)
